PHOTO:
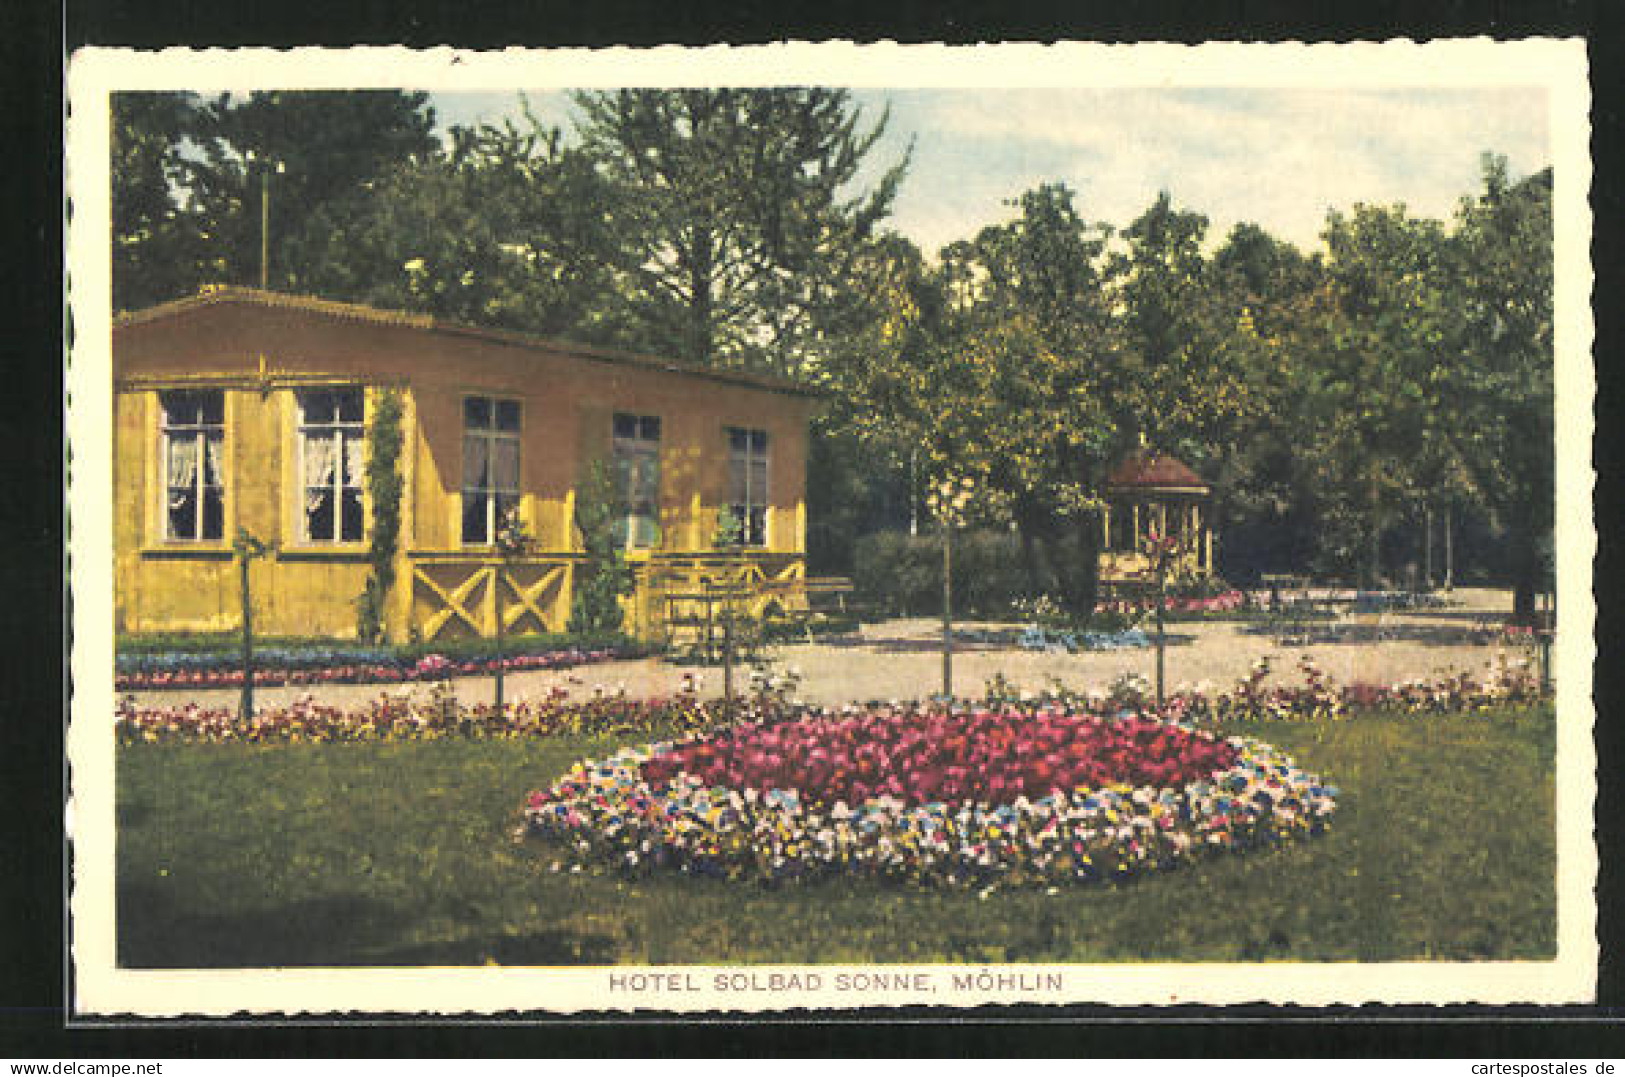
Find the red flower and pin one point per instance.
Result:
(922, 757)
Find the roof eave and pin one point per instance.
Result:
(429, 323)
(1155, 488)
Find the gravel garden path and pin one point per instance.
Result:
(902, 659)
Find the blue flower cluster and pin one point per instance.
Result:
(1036, 638)
(264, 658)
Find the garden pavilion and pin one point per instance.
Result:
(1151, 493)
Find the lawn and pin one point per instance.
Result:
(402, 854)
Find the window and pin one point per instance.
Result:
(747, 484)
(193, 439)
(332, 436)
(490, 466)
(637, 478)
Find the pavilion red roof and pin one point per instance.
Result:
(1152, 471)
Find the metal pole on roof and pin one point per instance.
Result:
(265, 212)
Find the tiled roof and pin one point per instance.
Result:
(219, 294)
(1154, 471)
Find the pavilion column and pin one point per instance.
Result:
(1106, 527)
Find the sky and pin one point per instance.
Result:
(1279, 157)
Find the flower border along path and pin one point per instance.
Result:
(436, 712)
(435, 716)
(275, 667)
(930, 796)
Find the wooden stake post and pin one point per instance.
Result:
(948, 502)
(947, 611)
(513, 542)
(247, 549)
(1160, 550)
(1162, 638)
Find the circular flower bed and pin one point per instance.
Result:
(931, 797)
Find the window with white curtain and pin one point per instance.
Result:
(193, 436)
(637, 478)
(490, 466)
(332, 451)
(747, 484)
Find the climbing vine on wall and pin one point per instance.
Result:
(604, 577)
(384, 485)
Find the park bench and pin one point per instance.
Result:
(1294, 612)
(821, 597)
(702, 614)
(798, 603)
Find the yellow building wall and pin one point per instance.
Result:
(261, 355)
(174, 585)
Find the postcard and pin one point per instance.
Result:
(825, 527)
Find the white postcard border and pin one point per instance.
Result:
(103, 989)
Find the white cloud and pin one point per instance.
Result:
(1280, 158)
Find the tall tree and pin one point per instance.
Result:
(1179, 385)
(741, 203)
(1034, 328)
(1503, 385)
(864, 464)
(990, 365)
(1267, 291)
(1379, 374)
(509, 229)
(1194, 378)
(320, 147)
(154, 241)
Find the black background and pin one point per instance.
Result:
(35, 39)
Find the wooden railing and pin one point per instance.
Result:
(462, 593)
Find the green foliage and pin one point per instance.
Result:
(1385, 337)
(851, 491)
(1178, 385)
(902, 575)
(819, 625)
(155, 244)
(728, 531)
(603, 577)
(1330, 399)
(1503, 393)
(1334, 398)
(741, 224)
(185, 219)
(991, 366)
(1443, 849)
(384, 486)
(508, 228)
